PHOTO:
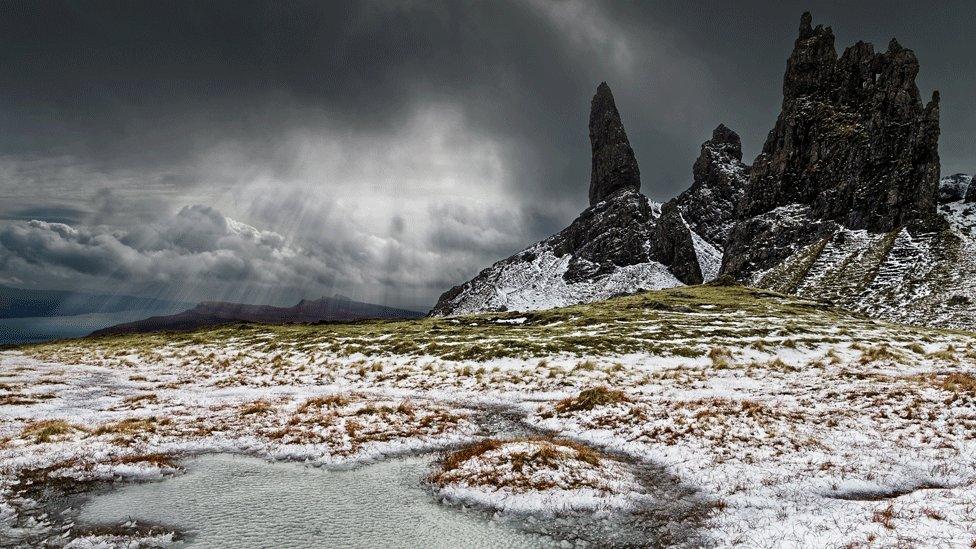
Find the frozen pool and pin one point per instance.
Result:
(235, 501)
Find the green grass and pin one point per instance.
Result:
(665, 322)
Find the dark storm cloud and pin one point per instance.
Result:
(403, 145)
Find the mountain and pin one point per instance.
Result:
(844, 203)
(621, 243)
(212, 313)
(25, 303)
(908, 275)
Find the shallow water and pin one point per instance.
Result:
(235, 501)
(37, 329)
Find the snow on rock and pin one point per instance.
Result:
(540, 283)
(709, 257)
(613, 247)
(954, 188)
(922, 278)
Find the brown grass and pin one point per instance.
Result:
(147, 397)
(591, 398)
(324, 401)
(159, 460)
(548, 453)
(959, 383)
(43, 431)
(256, 407)
(721, 357)
(885, 517)
(129, 426)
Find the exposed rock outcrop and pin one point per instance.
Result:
(953, 188)
(614, 164)
(674, 245)
(854, 144)
(620, 244)
(971, 194)
(720, 177)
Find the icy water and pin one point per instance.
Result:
(235, 501)
(37, 329)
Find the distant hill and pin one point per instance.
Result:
(24, 303)
(210, 313)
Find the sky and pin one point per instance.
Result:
(386, 151)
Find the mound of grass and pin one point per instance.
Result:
(591, 398)
(545, 452)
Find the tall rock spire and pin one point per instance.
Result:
(720, 178)
(614, 165)
(854, 146)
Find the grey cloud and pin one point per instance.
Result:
(199, 244)
(400, 146)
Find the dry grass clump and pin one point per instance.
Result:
(44, 431)
(256, 407)
(880, 353)
(129, 426)
(959, 383)
(454, 460)
(324, 401)
(146, 398)
(157, 460)
(542, 453)
(948, 354)
(885, 517)
(721, 357)
(591, 398)
(345, 423)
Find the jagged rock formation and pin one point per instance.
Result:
(953, 188)
(720, 177)
(620, 244)
(853, 145)
(844, 203)
(614, 164)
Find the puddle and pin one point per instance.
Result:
(236, 501)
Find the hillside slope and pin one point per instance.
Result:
(923, 278)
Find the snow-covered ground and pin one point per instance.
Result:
(798, 424)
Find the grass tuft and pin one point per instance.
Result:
(591, 398)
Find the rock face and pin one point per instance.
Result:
(614, 164)
(620, 244)
(720, 178)
(853, 144)
(971, 193)
(953, 188)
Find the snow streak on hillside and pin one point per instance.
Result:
(928, 278)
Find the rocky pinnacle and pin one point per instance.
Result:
(614, 164)
(853, 146)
